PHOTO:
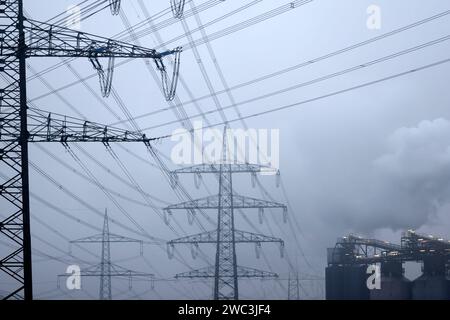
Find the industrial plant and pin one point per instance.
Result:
(347, 274)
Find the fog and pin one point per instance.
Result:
(372, 161)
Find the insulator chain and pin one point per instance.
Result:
(105, 78)
(278, 178)
(130, 282)
(282, 249)
(167, 216)
(194, 250)
(177, 7)
(197, 179)
(170, 250)
(191, 216)
(152, 284)
(258, 249)
(169, 85)
(173, 180)
(261, 215)
(253, 177)
(285, 214)
(114, 5)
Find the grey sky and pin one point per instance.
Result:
(372, 161)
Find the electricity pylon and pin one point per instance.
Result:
(105, 270)
(21, 39)
(293, 287)
(226, 270)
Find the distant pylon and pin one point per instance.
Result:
(105, 278)
(106, 269)
(293, 287)
(226, 270)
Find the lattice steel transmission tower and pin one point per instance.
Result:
(23, 38)
(226, 270)
(106, 269)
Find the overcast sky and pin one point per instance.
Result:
(373, 161)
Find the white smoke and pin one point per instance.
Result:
(413, 177)
(404, 187)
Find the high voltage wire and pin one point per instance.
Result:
(354, 88)
(78, 199)
(317, 80)
(179, 189)
(225, 32)
(157, 35)
(120, 35)
(118, 194)
(123, 107)
(308, 62)
(85, 168)
(87, 205)
(334, 93)
(205, 75)
(65, 16)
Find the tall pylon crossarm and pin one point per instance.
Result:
(241, 272)
(239, 202)
(212, 202)
(116, 272)
(44, 126)
(205, 237)
(240, 237)
(211, 237)
(44, 40)
(47, 40)
(215, 168)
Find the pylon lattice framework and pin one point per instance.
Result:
(22, 39)
(226, 270)
(106, 269)
(293, 287)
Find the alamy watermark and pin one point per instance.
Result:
(204, 146)
(374, 19)
(73, 281)
(73, 20)
(374, 279)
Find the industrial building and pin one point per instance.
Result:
(347, 274)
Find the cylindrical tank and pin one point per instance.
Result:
(433, 284)
(428, 287)
(346, 283)
(392, 288)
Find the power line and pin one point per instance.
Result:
(317, 80)
(238, 27)
(311, 61)
(335, 93)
